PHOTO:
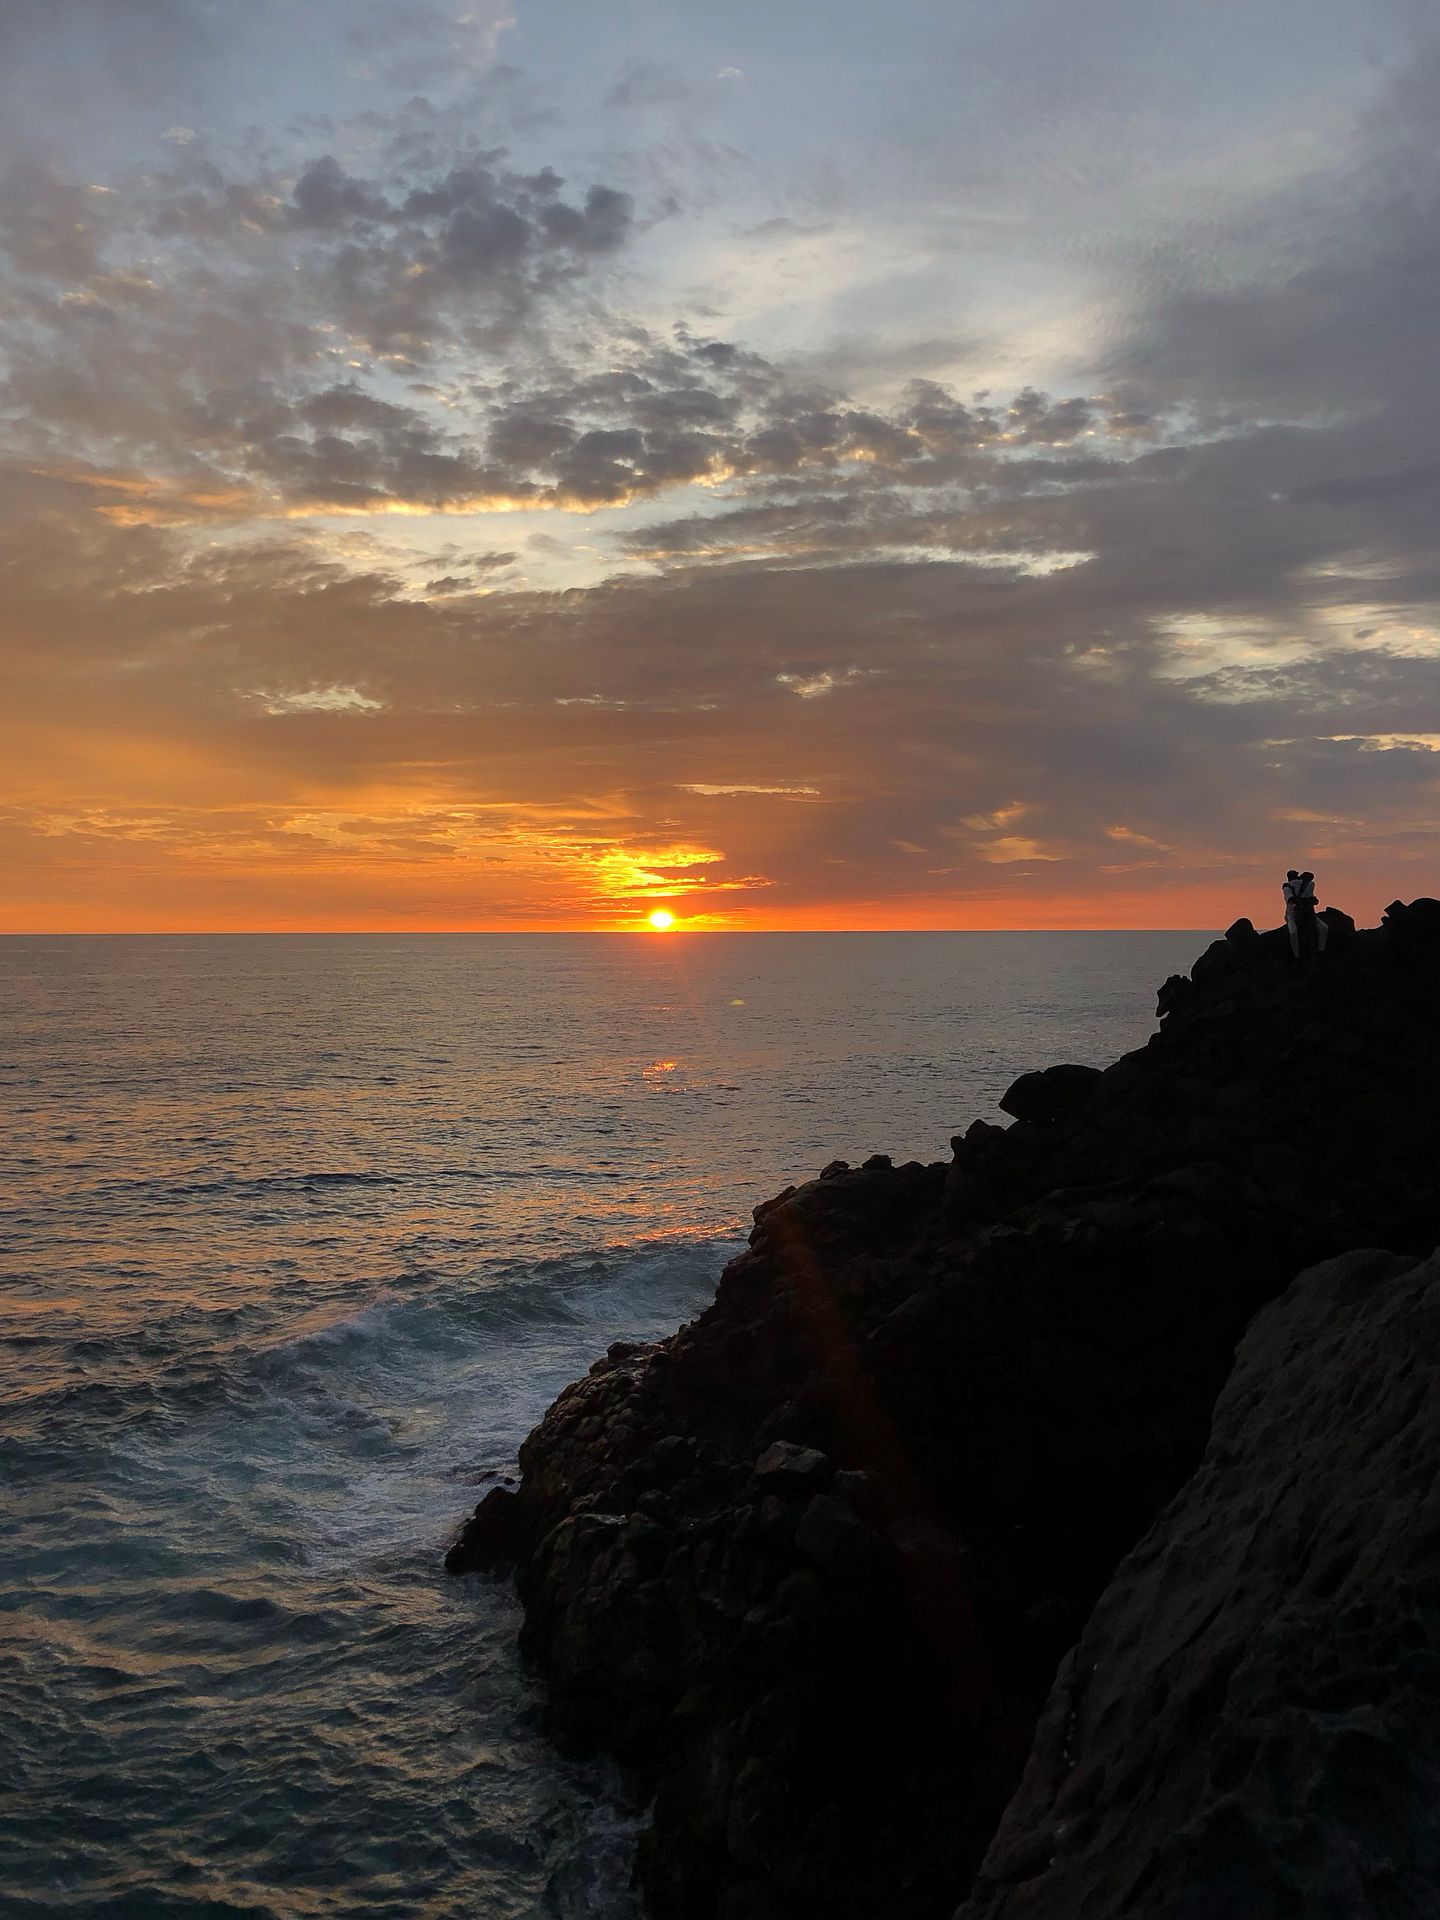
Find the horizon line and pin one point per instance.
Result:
(554, 933)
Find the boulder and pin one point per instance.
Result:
(1415, 925)
(1055, 1093)
(1175, 992)
(785, 1468)
(1250, 1723)
(832, 1535)
(492, 1538)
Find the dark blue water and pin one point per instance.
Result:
(298, 1237)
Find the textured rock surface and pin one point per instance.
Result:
(1250, 1725)
(994, 1372)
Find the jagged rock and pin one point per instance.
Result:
(791, 1469)
(1250, 1724)
(832, 1535)
(1055, 1093)
(768, 1206)
(1174, 993)
(1009, 1362)
(1219, 958)
(492, 1538)
(1415, 925)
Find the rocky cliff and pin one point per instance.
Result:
(808, 1566)
(1250, 1724)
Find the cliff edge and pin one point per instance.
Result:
(1250, 1724)
(808, 1566)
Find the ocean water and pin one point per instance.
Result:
(298, 1237)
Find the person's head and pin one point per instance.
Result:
(1307, 876)
(1290, 874)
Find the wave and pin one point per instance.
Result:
(473, 1360)
(302, 1179)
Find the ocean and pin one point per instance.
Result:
(299, 1236)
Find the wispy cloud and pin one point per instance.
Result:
(392, 514)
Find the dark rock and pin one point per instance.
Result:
(1053, 1094)
(672, 1456)
(1008, 1365)
(976, 1139)
(1219, 958)
(801, 1593)
(877, 1163)
(1415, 925)
(768, 1206)
(1174, 993)
(833, 1537)
(786, 1468)
(1249, 1723)
(751, 1900)
(493, 1538)
(648, 1543)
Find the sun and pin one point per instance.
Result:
(662, 919)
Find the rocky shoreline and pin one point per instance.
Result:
(808, 1567)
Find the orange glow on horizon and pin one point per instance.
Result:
(242, 868)
(1100, 916)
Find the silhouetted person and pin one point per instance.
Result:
(1307, 932)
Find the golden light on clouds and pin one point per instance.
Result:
(391, 540)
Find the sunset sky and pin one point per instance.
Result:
(958, 463)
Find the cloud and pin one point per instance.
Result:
(1384, 489)
(1341, 322)
(145, 45)
(1006, 729)
(258, 321)
(414, 43)
(850, 640)
(646, 83)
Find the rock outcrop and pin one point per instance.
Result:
(808, 1566)
(1250, 1724)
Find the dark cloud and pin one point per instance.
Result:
(1382, 489)
(50, 227)
(1014, 645)
(1016, 732)
(326, 196)
(252, 320)
(330, 241)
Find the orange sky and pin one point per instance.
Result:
(129, 875)
(473, 470)
(159, 774)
